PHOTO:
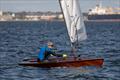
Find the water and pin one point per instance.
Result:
(19, 40)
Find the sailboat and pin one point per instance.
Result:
(76, 32)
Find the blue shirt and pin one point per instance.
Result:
(41, 54)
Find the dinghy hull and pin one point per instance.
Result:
(64, 63)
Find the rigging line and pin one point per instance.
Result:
(77, 30)
(74, 45)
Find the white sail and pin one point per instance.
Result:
(73, 19)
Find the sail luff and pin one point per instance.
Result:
(73, 19)
(65, 14)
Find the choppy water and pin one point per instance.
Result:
(19, 40)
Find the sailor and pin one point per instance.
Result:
(46, 52)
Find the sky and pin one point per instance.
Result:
(50, 5)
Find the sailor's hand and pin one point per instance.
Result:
(64, 55)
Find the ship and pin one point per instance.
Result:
(104, 13)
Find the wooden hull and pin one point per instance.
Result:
(64, 63)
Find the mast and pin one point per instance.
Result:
(73, 49)
(72, 17)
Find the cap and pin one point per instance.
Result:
(49, 43)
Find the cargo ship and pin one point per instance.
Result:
(104, 13)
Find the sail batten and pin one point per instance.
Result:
(73, 19)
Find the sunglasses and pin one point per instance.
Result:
(51, 45)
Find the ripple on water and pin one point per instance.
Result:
(21, 40)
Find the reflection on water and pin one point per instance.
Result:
(20, 40)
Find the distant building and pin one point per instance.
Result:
(1, 13)
(48, 17)
(13, 15)
(35, 16)
(32, 17)
(60, 16)
(6, 18)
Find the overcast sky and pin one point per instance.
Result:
(50, 5)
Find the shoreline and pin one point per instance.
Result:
(102, 20)
(30, 20)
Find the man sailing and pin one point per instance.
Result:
(47, 51)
